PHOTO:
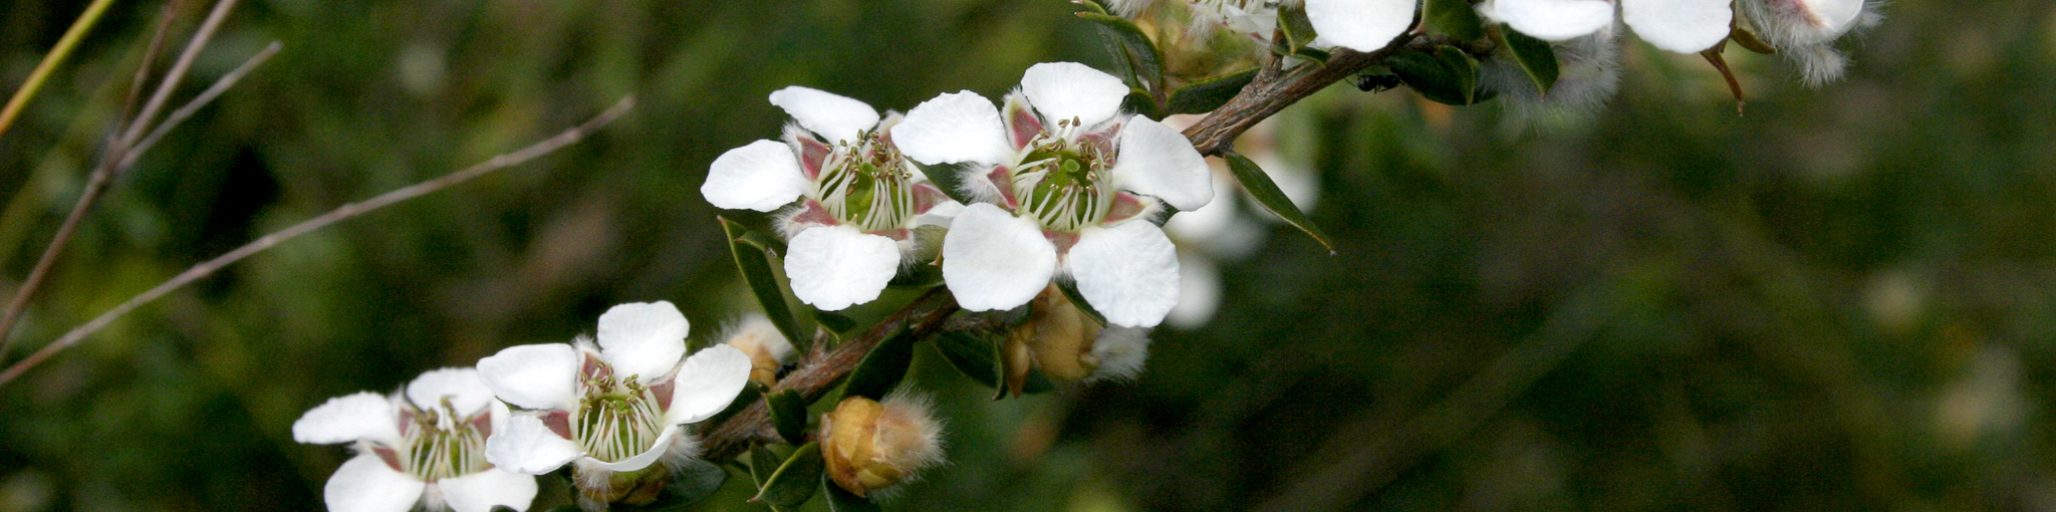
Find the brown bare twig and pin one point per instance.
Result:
(345, 212)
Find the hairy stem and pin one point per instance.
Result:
(1276, 88)
(345, 212)
(823, 369)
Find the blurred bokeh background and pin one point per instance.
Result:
(1845, 299)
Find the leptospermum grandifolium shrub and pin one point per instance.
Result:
(1027, 234)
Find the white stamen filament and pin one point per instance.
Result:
(891, 200)
(616, 420)
(443, 444)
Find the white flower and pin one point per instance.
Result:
(857, 198)
(1804, 31)
(1361, 25)
(1071, 182)
(615, 408)
(424, 446)
(1682, 26)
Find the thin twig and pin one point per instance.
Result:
(79, 28)
(345, 212)
(157, 36)
(220, 86)
(118, 155)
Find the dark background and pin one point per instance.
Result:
(1844, 300)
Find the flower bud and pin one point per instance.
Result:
(1804, 31)
(768, 349)
(871, 446)
(1069, 345)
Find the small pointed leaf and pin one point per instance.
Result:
(1267, 193)
(751, 260)
(882, 368)
(1445, 75)
(794, 481)
(1535, 57)
(1211, 93)
(1455, 18)
(978, 358)
(1132, 49)
(789, 415)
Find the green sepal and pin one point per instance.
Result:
(1455, 18)
(840, 500)
(1536, 58)
(1299, 32)
(1070, 289)
(794, 481)
(1266, 193)
(1444, 75)
(751, 258)
(948, 178)
(977, 357)
(1210, 94)
(1132, 50)
(882, 368)
(1140, 102)
(789, 415)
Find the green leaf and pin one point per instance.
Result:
(751, 260)
(1298, 29)
(840, 500)
(1204, 96)
(690, 485)
(789, 415)
(795, 480)
(978, 358)
(1535, 57)
(762, 462)
(882, 368)
(1455, 18)
(1446, 75)
(1266, 193)
(1132, 49)
(835, 322)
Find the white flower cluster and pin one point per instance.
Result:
(1804, 30)
(1064, 184)
(450, 440)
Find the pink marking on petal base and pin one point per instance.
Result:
(387, 454)
(1021, 122)
(1102, 141)
(1003, 178)
(1126, 206)
(812, 153)
(559, 422)
(593, 367)
(483, 423)
(812, 213)
(927, 196)
(663, 391)
(1062, 240)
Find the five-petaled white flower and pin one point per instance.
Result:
(1361, 25)
(425, 445)
(617, 408)
(1071, 181)
(861, 197)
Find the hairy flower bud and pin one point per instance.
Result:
(871, 446)
(1069, 345)
(768, 349)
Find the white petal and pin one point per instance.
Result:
(366, 484)
(1683, 26)
(1066, 90)
(460, 385)
(939, 215)
(1361, 25)
(541, 376)
(481, 491)
(835, 267)
(528, 446)
(955, 127)
(1156, 160)
(644, 339)
(761, 176)
(349, 418)
(1127, 272)
(640, 460)
(1551, 20)
(1199, 292)
(994, 260)
(707, 383)
(1833, 16)
(832, 116)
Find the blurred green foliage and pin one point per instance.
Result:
(1844, 300)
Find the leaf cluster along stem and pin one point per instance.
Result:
(823, 369)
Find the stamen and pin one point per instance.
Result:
(441, 443)
(867, 184)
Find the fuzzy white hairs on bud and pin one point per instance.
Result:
(1589, 76)
(1804, 31)
(1121, 351)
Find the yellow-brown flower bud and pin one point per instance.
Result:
(870, 445)
(768, 349)
(1069, 345)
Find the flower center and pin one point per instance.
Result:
(443, 444)
(1064, 182)
(617, 419)
(867, 184)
